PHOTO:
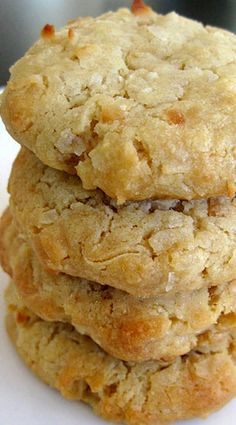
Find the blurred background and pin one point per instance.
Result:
(22, 20)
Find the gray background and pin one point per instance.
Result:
(21, 20)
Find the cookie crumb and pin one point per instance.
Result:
(231, 190)
(71, 34)
(48, 31)
(175, 117)
(21, 317)
(139, 7)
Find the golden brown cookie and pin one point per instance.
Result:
(126, 327)
(134, 393)
(144, 248)
(137, 104)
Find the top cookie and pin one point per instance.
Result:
(137, 104)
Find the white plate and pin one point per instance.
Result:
(24, 400)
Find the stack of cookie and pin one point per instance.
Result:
(120, 237)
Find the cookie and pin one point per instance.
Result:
(144, 248)
(137, 104)
(134, 393)
(133, 329)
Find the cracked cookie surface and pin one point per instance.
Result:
(144, 393)
(144, 248)
(126, 327)
(138, 105)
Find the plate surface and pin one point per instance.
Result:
(24, 400)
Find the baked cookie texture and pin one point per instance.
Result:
(137, 104)
(134, 393)
(133, 329)
(144, 248)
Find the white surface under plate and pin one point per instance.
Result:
(24, 400)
